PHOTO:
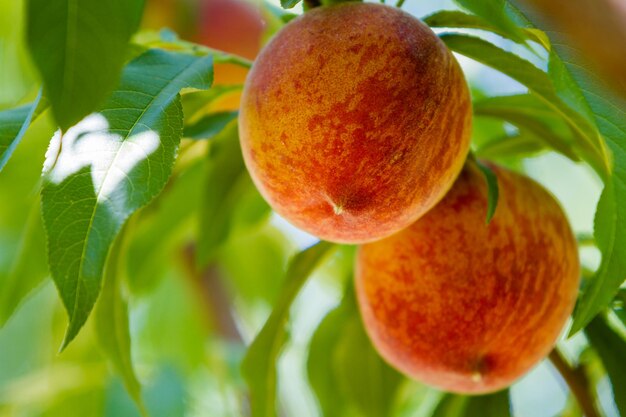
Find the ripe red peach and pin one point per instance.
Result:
(465, 306)
(355, 120)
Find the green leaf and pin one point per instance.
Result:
(320, 367)
(112, 322)
(366, 379)
(493, 11)
(259, 364)
(526, 111)
(161, 228)
(267, 251)
(79, 47)
(209, 126)
(109, 165)
(522, 144)
(611, 348)
(289, 4)
(579, 86)
(344, 370)
(225, 169)
(492, 189)
(490, 405)
(538, 82)
(13, 126)
(458, 19)
(27, 269)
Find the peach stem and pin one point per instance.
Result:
(578, 383)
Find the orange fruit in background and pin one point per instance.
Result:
(355, 120)
(469, 307)
(233, 26)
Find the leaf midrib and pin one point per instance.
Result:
(95, 207)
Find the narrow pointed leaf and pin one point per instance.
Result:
(580, 87)
(27, 270)
(492, 189)
(526, 111)
(109, 165)
(539, 83)
(259, 365)
(611, 347)
(491, 405)
(79, 48)
(112, 322)
(493, 11)
(458, 19)
(13, 126)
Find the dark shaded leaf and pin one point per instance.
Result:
(225, 170)
(492, 189)
(27, 269)
(13, 126)
(79, 47)
(611, 348)
(490, 405)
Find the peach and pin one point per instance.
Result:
(465, 306)
(236, 27)
(355, 120)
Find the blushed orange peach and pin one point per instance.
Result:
(465, 306)
(355, 120)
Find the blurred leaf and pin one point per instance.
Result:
(27, 269)
(161, 228)
(611, 348)
(493, 11)
(210, 125)
(522, 144)
(492, 189)
(86, 402)
(112, 322)
(451, 405)
(527, 112)
(79, 47)
(367, 381)
(458, 19)
(259, 364)
(171, 326)
(539, 83)
(266, 256)
(108, 166)
(13, 126)
(164, 397)
(320, 367)
(225, 168)
(490, 405)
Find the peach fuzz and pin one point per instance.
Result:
(469, 307)
(355, 120)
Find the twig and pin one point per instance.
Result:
(576, 379)
(213, 296)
